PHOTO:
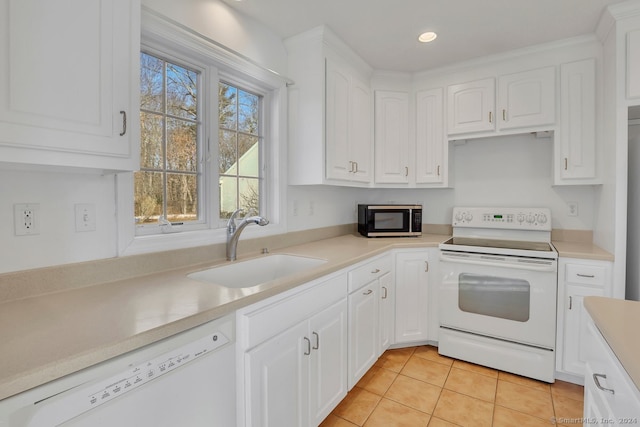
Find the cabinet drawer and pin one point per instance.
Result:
(586, 274)
(364, 274)
(275, 318)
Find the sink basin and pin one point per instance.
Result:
(252, 272)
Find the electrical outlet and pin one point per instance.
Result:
(294, 208)
(312, 208)
(573, 208)
(85, 217)
(26, 219)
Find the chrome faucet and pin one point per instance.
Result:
(233, 231)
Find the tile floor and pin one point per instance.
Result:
(416, 387)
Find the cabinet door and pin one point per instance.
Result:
(431, 144)
(328, 371)
(411, 297)
(575, 328)
(527, 99)
(392, 137)
(69, 86)
(575, 154)
(387, 321)
(360, 132)
(363, 331)
(471, 107)
(339, 165)
(278, 380)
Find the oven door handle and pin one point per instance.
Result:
(533, 266)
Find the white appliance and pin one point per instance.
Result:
(185, 380)
(498, 291)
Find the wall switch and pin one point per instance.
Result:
(26, 219)
(573, 208)
(85, 217)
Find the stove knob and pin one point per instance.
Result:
(531, 218)
(468, 217)
(459, 216)
(542, 218)
(520, 218)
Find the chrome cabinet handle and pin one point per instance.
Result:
(565, 163)
(490, 116)
(384, 295)
(504, 115)
(356, 165)
(367, 292)
(317, 346)
(377, 270)
(308, 352)
(124, 123)
(406, 171)
(426, 266)
(590, 276)
(438, 171)
(595, 380)
(570, 302)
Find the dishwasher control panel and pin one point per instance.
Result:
(90, 396)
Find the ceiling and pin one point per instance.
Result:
(384, 32)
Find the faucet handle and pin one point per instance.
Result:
(231, 224)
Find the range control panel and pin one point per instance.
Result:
(503, 218)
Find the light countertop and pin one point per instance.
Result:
(51, 335)
(618, 321)
(48, 336)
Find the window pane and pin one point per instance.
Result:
(182, 197)
(228, 196)
(249, 194)
(181, 146)
(247, 112)
(148, 196)
(227, 111)
(227, 152)
(151, 136)
(181, 92)
(151, 83)
(249, 153)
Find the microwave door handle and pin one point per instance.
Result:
(489, 263)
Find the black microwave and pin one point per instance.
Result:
(390, 220)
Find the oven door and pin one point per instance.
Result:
(504, 297)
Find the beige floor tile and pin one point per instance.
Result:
(392, 414)
(463, 410)
(524, 399)
(335, 421)
(377, 380)
(505, 417)
(460, 364)
(567, 408)
(566, 389)
(414, 393)
(472, 384)
(357, 406)
(431, 353)
(529, 382)
(437, 422)
(426, 370)
(395, 360)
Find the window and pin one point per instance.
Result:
(167, 185)
(175, 185)
(239, 151)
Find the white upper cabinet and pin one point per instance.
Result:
(527, 99)
(471, 107)
(392, 137)
(431, 142)
(69, 79)
(575, 140)
(633, 64)
(524, 100)
(330, 112)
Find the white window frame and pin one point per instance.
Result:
(162, 38)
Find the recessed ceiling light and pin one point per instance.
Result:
(427, 37)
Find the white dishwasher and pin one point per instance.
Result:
(184, 380)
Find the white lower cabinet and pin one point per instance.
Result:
(577, 278)
(295, 356)
(368, 283)
(387, 311)
(610, 397)
(411, 296)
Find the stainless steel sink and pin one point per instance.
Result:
(252, 272)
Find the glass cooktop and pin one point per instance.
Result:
(504, 244)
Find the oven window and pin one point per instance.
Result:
(494, 296)
(388, 221)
